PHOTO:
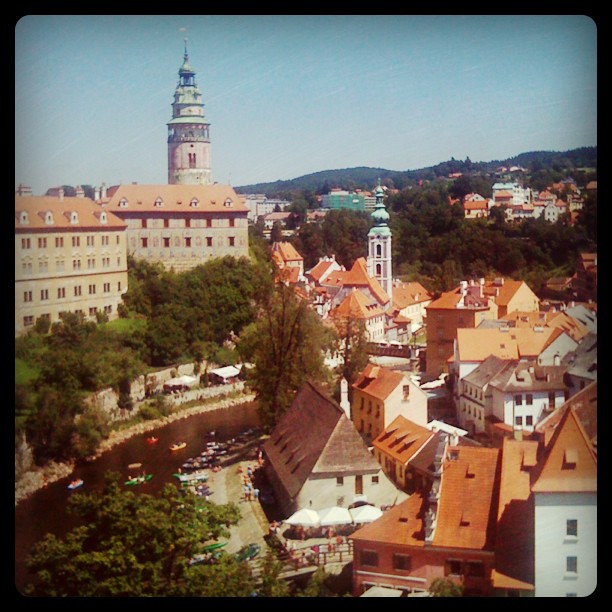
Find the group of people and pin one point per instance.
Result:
(249, 491)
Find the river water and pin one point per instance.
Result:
(44, 511)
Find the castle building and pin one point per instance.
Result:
(379, 245)
(70, 256)
(188, 133)
(181, 226)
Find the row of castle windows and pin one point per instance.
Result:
(26, 243)
(28, 320)
(157, 223)
(60, 265)
(187, 242)
(28, 296)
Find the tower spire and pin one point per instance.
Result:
(380, 265)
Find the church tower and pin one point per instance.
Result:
(379, 244)
(188, 133)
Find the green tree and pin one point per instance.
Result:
(276, 234)
(286, 344)
(270, 585)
(130, 544)
(445, 587)
(352, 344)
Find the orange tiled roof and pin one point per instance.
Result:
(408, 294)
(335, 278)
(448, 300)
(402, 439)
(475, 205)
(561, 320)
(401, 525)
(319, 270)
(511, 343)
(378, 381)
(506, 291)
(356, 305)
(88, 214)
(570, 465)
(502, 194)
(471, 478)
(287, 251)
(176, 198)
(358, 276)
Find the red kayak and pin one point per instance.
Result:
(152, 440)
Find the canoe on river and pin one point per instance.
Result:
(138, 479)
(75, 484)
(134, 466)
(178, 446)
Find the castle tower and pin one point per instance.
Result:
(379, 244)
(188, 133)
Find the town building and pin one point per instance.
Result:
(357, 309)
(260, 205)
(181, 226)
(510, 193)
(70, 256)
(430, 535)
(288, 261)
(581, 364)
(475, 209)
(379, 395)
(585, 283)
(410, 300)
(276, 217)
(189, 160)
(315, 458)
(338, 199)
(565, 508)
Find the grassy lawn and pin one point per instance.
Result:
(24, 372)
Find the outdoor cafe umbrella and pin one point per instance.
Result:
(335, 516)
(365, 514)
(304, 517)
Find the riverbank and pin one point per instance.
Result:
(39, 477)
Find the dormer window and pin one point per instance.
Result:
(123, 203)
(23, 218)
(49, 218)
(228, 202)
(194, 202)
(74, 218)
(103, 218)
(158, 202)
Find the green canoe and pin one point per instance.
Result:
(138, 479)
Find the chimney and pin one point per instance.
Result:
(60, 194)
(463, 287)
(79, 192)
(344, 400)
(103, 191)
(96, 194)
(482, 282)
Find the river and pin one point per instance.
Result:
(44, 511)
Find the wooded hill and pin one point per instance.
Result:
(580, 164)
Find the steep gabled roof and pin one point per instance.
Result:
(356, 306)
(570, 464)
(584, 405)
(286, 251)
(358, 276)
(315, 436)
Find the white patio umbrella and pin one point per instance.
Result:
(304, 517)
(335, 516)
(365, 514)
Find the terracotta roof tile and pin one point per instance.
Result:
(471, 478)
(356, 306)
(378, 381)
(88, 214)
(409, 294)
(176, 198)
(287, 251)
(358, 276)
(570, 464)
(402, 439)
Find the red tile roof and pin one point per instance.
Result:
(378, 381)
(471, 478)
(319, 270)
(358, 276)
(409, 294)
(402, 439)
(570, 465)
(286, 251)
(176, 198)
(356, 306)
(89, 214)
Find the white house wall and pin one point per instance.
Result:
(553, 546)
(324, 492)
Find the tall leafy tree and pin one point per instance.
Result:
(286, 344)
(130, 544)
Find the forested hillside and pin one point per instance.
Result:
(580, 164)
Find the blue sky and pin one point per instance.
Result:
(291, 95)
